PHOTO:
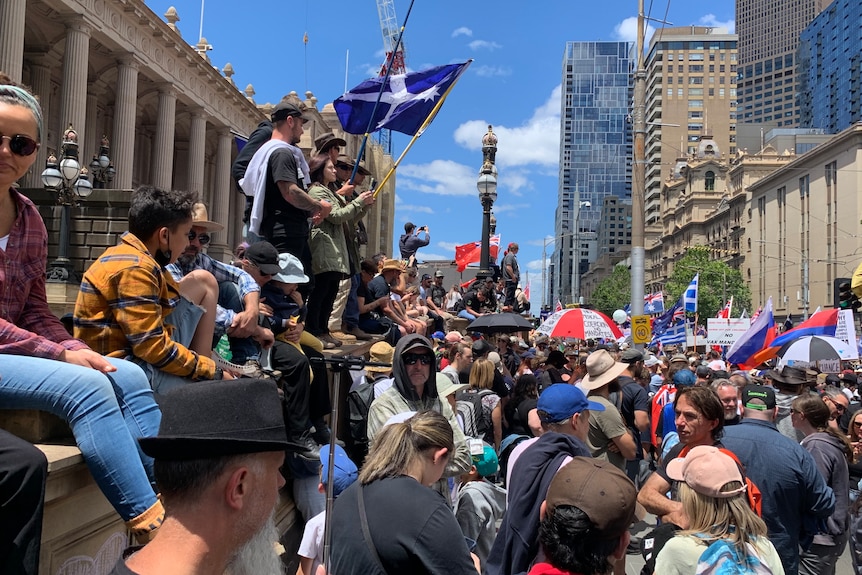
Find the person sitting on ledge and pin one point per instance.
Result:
(106, 402)
(130, 307)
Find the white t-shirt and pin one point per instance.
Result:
(311, 545)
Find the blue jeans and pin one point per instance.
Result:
(351, 310)
(466, 315)
(107, 413)
(242, 349)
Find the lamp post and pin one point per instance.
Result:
(69, 180)
(487, 185)
(101, 167)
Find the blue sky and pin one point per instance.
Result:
(513, 83)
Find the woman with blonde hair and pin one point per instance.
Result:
(722, 526)
(481, 383)
(832, 453)
(391, 521)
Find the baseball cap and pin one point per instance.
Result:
(344, 471)
(264, 256)
(486, 463)
(438, 335)
(481, 348)
(706, 469)
(599, 489)
(284, 109)
(702, 371)
(425, 277)
(439, 274)
(652, 361)
(632, 355)
(454, 337)
(684, 377)
(765, 394)
(446, 387)
(561, 401)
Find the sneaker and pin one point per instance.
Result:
(343, 337)
(358, 333)
(241, 370)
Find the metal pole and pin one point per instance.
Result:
(805, 286)
(544, 271)
(639, 172)
(486, 237)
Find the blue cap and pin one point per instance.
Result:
(561, 401)
(345, 470)
(438, 335)
(684, 377)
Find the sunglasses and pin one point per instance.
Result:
(412, 358)
(204, 239)
(21, 145)
(857, 424)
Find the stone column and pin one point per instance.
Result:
(12, 14)
(222, 195)
(163, 150)
(197, 150)
(125, 106)
(40, 80)
(73, 107)
(89, 147)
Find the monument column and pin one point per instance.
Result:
(197, 150)
(12, 15)
(125, 111)
(73, 108)
(222, 194)
(163, 150)
(40, 80)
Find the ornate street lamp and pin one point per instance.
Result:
(70, 182)
(101, 167)
(487, 185)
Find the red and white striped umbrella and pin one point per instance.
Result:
(581, 324)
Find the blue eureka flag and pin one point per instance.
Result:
(405, 103)
(689, 298)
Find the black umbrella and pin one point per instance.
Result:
(500, 323)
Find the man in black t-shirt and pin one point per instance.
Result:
(473, 301)
(287, 205)
(634, 406)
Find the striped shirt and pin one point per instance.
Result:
(27, 325)
(121, 309)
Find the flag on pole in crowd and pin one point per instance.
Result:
(674, 334)
(821, 323)
(406, 100)
(757, 313)
(689, 297)
(758, 336)
(724, 313)
(654, 303)
(527, 291)
(471, 253)
(559, 306)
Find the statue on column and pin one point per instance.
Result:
(489, 150)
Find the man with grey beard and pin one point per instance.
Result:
(217, 464)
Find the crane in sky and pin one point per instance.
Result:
(394, 57)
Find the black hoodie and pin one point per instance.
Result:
(399, 370)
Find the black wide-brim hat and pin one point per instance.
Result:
(208, 419)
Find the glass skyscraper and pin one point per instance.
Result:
(595, 153)
(830, 68)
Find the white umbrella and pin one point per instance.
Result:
(816, 351)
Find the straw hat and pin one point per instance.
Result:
(201, 219)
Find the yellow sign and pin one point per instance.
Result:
(641, 332)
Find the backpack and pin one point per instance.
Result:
(468, 404)
(358, 405)
(721, 558)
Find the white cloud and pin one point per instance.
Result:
(447, 245)
(503, 208)
(462, 31)
(536, 265)
(410, 209)
(424, 257)
(484, 45)
(627, 30)
(439, 177)
(516, 182)
(537, 141)
(713, 22)
(492, 71)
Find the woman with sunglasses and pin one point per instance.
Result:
(832, 453)
(108, 403)
(389, 521)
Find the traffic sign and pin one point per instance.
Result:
(641, 332)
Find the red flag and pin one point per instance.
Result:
(471, 253)
(527, 292)
(559, 306)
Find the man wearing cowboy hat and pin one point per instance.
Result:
(239, 294)
(329, 144)
(789, 383)
(217, 466)
(380, 286)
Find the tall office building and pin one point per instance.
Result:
(595, 153)
(691, 93)
(830, 68)
(768, 38)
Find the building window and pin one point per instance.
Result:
(709, 181)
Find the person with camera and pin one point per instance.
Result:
(410, 241)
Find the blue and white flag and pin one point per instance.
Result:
(674, 334)
(689, 298)
(405, 103)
